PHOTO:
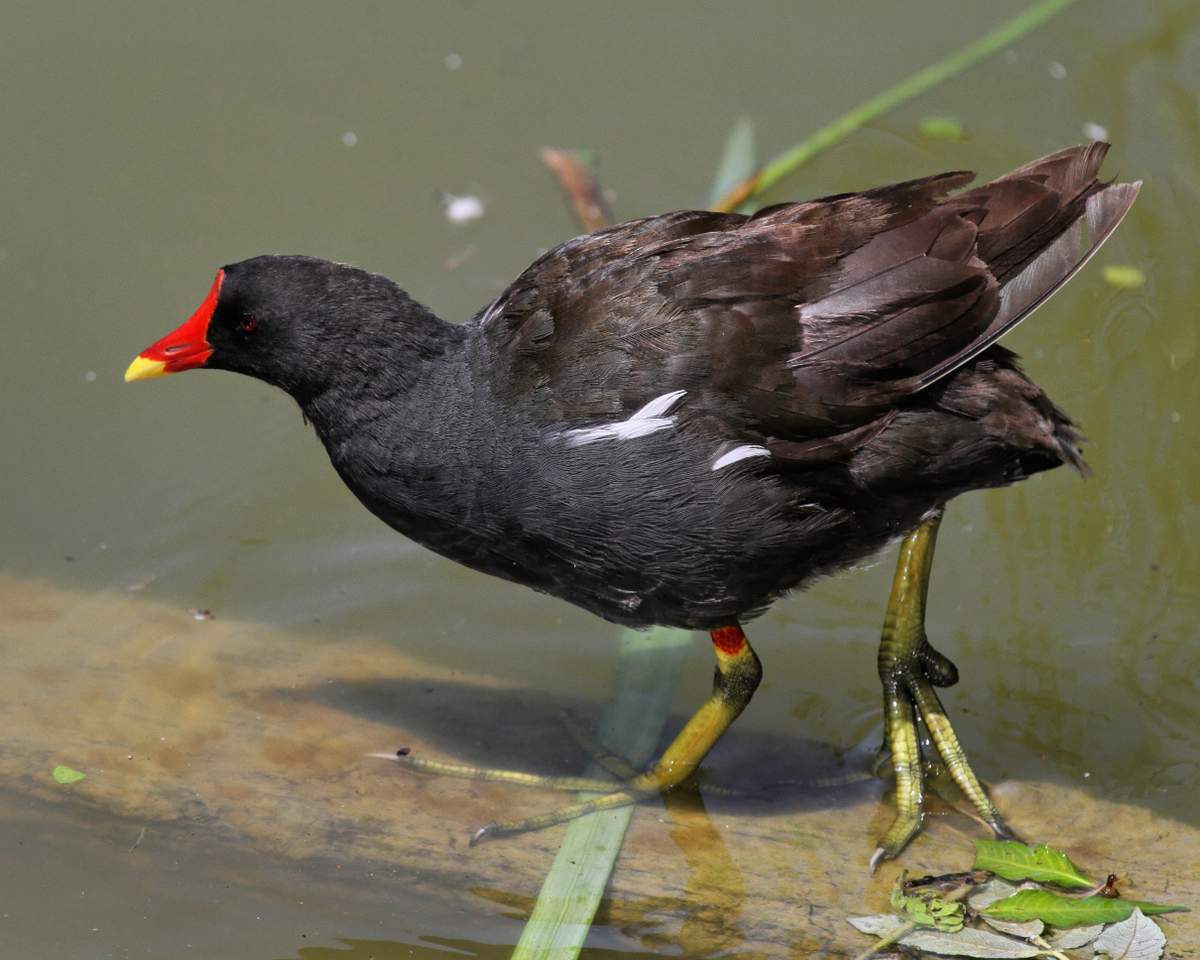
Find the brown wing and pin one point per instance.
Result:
(806, 319)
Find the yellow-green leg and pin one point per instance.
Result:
(737, 676)
(910, 668)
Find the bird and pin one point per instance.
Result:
(681, 418)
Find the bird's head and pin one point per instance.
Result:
(292, 321)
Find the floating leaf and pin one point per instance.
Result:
(1137, 938)
(1124, 276)
(1024, 929)
(879, 925)
(927, 908)
(965, 943)
(984, 896)
(942, 128)
(1060, 911)
(1015, 861)
(969, 943)
(1075, 937)
(67, 774)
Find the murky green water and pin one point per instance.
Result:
(144, 145)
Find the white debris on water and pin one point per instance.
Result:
(349, 138)
(90, 376)
(453, 61)
(1094, 131)
(1056, 70)
(463, 209)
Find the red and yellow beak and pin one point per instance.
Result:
(182, 349)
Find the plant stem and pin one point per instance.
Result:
(1049, 951)
(912, 86)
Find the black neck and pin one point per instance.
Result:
(378, 360)
(404, 441)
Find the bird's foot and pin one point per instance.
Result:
(611, 795)
(636, 791)
(910, 672)
(737, 675)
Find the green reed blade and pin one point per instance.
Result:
(632, 726)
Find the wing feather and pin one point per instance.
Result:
(805, 320)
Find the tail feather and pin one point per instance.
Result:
(1088, 212)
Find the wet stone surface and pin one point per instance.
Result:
(229, 735)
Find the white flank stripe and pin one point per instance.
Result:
(649, 419)
(744, 452)
(660, 406)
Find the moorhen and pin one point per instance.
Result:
(678, 419)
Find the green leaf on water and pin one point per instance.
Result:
(1124, 276)
(65, 775)
(926, 908)
(1041, 863)
(1060, 911)
(942, 128)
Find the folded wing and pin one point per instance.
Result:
(805, 320)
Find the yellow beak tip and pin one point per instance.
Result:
(143, 369)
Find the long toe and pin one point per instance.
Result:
(466, 771)
(1002, 830)
(897, 837)
(945, 740)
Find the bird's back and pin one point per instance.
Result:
(679, 418)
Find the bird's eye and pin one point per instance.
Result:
(248, 323)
